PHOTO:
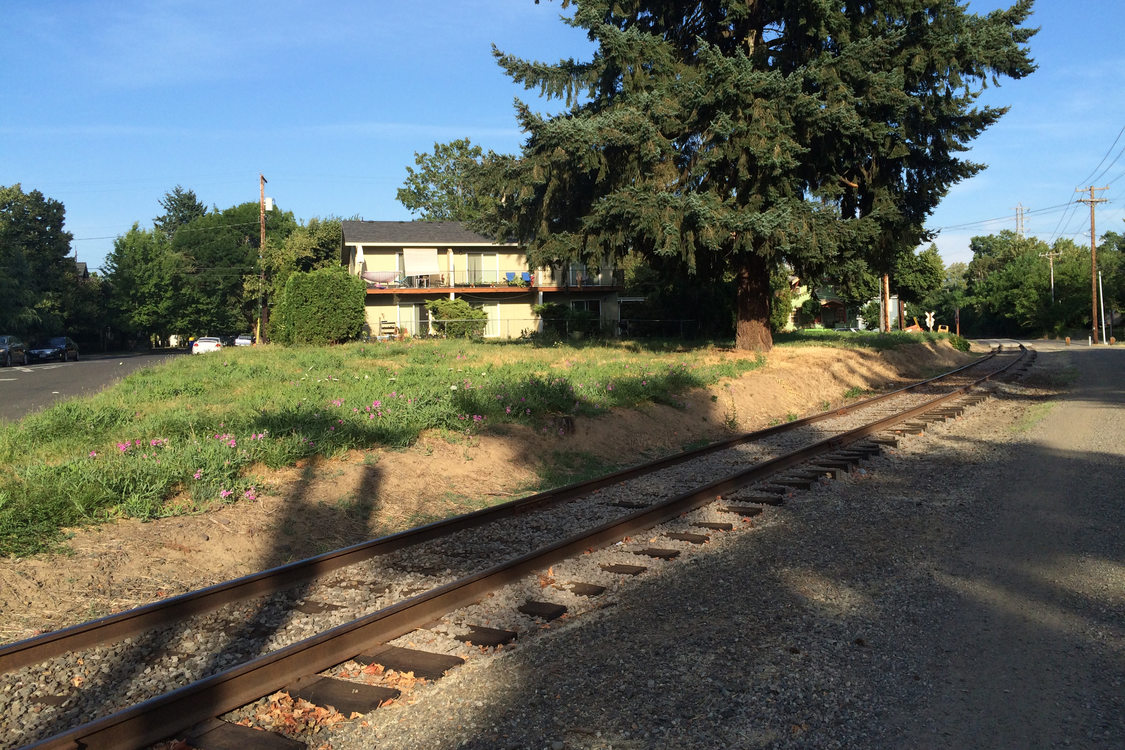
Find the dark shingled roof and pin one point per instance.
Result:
(411, 233)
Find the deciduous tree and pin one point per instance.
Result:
(443, 188)
(145, 275)
(35, 270)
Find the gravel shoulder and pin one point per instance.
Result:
(962, 591)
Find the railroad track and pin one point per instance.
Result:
(146, 676)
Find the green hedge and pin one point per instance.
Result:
(456, 318)
(325, 306)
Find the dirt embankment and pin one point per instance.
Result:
(323, 505)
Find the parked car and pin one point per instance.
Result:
(12, 350)
(61, 348)
(244, 339)
(205, 344)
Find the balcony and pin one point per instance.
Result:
(389, 282)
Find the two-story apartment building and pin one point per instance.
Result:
(408, 263)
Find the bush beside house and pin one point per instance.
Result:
(456, 318)
(325, 306)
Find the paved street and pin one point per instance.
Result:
(24, 390)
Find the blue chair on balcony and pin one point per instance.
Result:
(511, 277)
(526, 276)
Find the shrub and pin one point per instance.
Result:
(325, 306)
(781, 303)
(456, 318)
(960, 343)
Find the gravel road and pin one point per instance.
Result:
(966, 590)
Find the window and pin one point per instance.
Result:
(588, 305)
(483, 268)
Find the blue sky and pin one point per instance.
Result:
(107, 106)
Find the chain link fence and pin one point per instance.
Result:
(516, 328)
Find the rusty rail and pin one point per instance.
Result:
(274, 580)
(185, 707)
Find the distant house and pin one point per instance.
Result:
(405, 264)
(81, 271)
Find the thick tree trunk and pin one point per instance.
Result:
(752, 330)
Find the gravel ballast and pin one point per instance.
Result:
(79, 686)
(964, 590)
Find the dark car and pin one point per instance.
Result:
(61, 348)
(12, 351)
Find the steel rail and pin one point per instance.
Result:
(273, 580)
(179, 710)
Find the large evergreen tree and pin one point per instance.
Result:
(730, 137)
(180, 207)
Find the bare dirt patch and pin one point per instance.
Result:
(325, 504)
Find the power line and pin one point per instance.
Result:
(1090, 178)
(181, 229)
(1025, 212)
(1108, 166)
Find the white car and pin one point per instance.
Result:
(206, 344)
(244, 339)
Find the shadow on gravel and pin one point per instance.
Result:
(263, 619)
(247, 632)
(953, 604)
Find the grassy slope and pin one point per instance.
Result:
(181, 437)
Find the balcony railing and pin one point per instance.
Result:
(474, 278)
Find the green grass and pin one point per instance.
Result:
(1035, 414)
(196, 432)
(863, 339)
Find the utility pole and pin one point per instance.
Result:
(1092, 201)
(1101, 294)
(261, 246)
(1050, 256)
(885, 313)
